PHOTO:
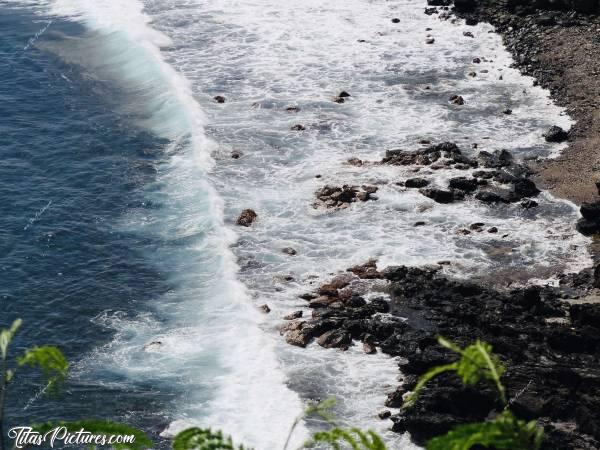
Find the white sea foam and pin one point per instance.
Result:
(204, 338)
(265, 55)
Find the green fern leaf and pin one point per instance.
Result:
(354, 438)
(505, 432)
(50, 360)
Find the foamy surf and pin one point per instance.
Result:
(265, 55)
(204, 338)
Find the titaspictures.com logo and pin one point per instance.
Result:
(62, 437)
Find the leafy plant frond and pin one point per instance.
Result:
(50, 360)
(476, 363)
(426, 378)
(505, 432)
(322, 409)
(204, 439)
(103, 427)
(355, 438)
(6, 337)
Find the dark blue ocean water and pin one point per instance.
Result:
(69, 169)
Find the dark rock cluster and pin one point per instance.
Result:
(342, 197)
(556, 43)
(512, 183)
(446, 154)
(549, 346)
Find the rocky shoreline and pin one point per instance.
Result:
(558, 43)
(548, 337)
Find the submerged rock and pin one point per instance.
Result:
(457, 100)
(293, 316)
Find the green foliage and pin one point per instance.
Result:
(204, 439)
(505, 432)
(322, 409)
(355, 438)
(54, 367)
(49, 360)
(103, 427)
(6, 337)
(476, 363)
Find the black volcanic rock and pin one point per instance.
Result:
(416, 183)
(463, 184)
(438, 195)
(556, 134)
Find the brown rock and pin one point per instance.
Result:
(355, 162)
(247, 217)
(293, 316)
(335, 339)
(367, 270)
(457, 100)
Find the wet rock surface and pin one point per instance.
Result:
(499, 178)
(556, 42)
(549, 344)
(341, 197)
(589, 223)
(246, 218)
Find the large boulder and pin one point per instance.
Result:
(463, 184)
(438, 195)
(335, 339)
(524, 187)
(590, 222)
(556, 134)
